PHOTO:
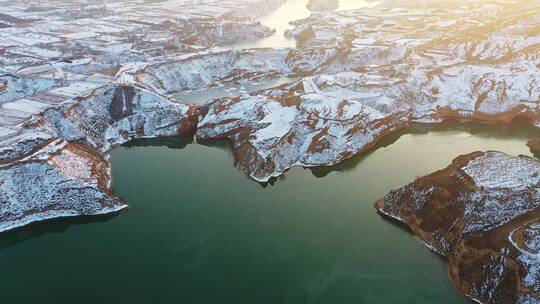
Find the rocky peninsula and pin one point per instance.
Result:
(482, 214)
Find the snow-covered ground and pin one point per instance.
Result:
(77, 79)
(482, 213)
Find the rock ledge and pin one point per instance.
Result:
(482, 213)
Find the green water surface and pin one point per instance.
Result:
(200, 231)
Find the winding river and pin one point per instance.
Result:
(280, 18)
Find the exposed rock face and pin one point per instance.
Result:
(114, 114)
(482, 213)
(77, 93)
(534, 144)
(367, 73)
(62, 179)
(71, 91)
(52, 163)
(208, 69)
(208, 32)
(413, 60)
(233, 25)
(467, 56)
(322, 5)
(325, 119)
(319, 121)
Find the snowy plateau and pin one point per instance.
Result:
(78, 78)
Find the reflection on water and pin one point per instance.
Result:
(60, 225)
(459, 139)
(199, 231)
(280, 18)
(169, 142)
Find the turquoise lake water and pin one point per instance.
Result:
(200, 231)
